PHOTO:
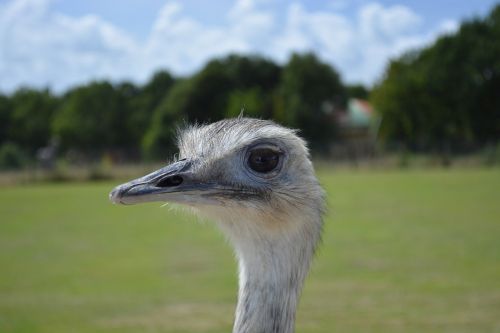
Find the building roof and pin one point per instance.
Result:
(359, 113)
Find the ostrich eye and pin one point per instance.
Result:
(263, 160)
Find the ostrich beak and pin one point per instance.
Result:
(174, 183)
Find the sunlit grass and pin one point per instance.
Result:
(414, 251)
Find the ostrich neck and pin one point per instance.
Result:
(271, 275)
(273, 263)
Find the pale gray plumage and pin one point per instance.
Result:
(273, 219)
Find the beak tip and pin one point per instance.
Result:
(115, 195)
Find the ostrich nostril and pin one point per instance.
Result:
(170, 181)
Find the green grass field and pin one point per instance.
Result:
(403, 251)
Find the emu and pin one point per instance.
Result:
(255, 179)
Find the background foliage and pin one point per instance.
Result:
(441, 98)
(447, 95)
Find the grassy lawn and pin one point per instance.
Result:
(403, 251)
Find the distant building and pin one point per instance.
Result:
(358, 128)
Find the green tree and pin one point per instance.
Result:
(205, 96)
(211, 87)
(310, 90)
(445, 95)
(143, 101)
(30, 119)
(158, 142)
(12, 156)
(250, 102)
(357, 91)
(5, 117)
(93, 118)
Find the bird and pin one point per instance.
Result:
(254, 178)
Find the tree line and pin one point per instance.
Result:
(443, 96)
(127, 119)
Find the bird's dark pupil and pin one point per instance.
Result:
(263, 160)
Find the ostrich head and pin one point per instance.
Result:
(254, 178)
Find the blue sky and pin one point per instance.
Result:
(61, 43)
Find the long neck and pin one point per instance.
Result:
(271, 276)
(274, 258)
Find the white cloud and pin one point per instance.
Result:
(41, 47)
(379, 23)
(44, 48)
(339, 4)
(448, 27)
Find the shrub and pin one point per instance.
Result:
(12, 157)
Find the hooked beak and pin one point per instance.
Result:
(174, 183)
